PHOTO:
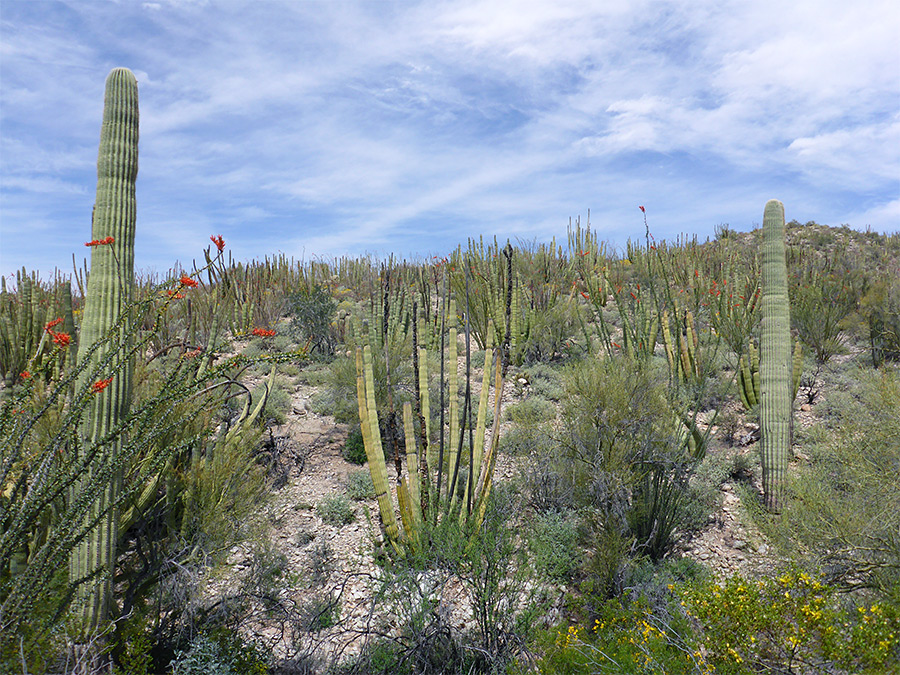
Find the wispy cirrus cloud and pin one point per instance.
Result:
(330, 128)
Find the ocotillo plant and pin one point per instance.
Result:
(108, 293)
(775, 358)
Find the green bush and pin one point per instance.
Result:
(359, 485)
(336, 509)
(319, 613)
(545, 381)
(793, 621)
(623, 451)
(311, 313)
(622, 639)
(354, 450)
(222, 653)
(554, 545)
(278, 401)
(531, 412)
(843, 508)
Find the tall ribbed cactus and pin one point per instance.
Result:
(775, 358)
(108, 293)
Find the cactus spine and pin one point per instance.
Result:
(775, 359)
(109, 290)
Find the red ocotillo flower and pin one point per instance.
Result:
(100, 385)
(62, 339)
(100, 242)
(51, 324)
(218, 241)
(262, 332)
(187, 281)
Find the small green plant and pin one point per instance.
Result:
(336, 509)
(319, 613)
(321, 562)
(360, 486)
(278, 401)
(311, 312)
(531, 412)
(554, 545)
(354, 449)
(221, 653)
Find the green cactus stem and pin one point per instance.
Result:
(775, 405)
(748, 375)
(109, 290)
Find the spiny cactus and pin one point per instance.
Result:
(462, 446)
(108, 293)
(775, 358)
(748, 375)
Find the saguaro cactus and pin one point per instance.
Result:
(108, 293)
(775, 359)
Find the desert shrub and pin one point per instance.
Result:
(792, 622)
(623, 449)
(359, 485)
(336, 509)
(423, 642)
(523, 441)
(311, 313)
(546, 489)
(819, 309)
(338, 395)
(321, 562)
(545, 381)
(554, 545)
(881, 308)
(531, 427)
(844, 505)
(531, 412)
(222, 653)
(278, 400)
(320, 612)
(622, 639)
(551, 330)
(354, 450)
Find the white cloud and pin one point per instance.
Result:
(367, 119)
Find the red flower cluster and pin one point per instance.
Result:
(100, 385)
(187, 281)
(61, 339)
(218, 241)
(25, 375)
(100, 242)
(262, 332)
(643, 210)
(175, 295)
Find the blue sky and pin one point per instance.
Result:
(319, 129)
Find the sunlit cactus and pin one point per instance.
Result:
(775, 359)
(108, 293)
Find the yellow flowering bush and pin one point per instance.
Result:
(792, 621)
(630, 639)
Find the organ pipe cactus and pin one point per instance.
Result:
(108, 293)
(775, 359)
(459, 441)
